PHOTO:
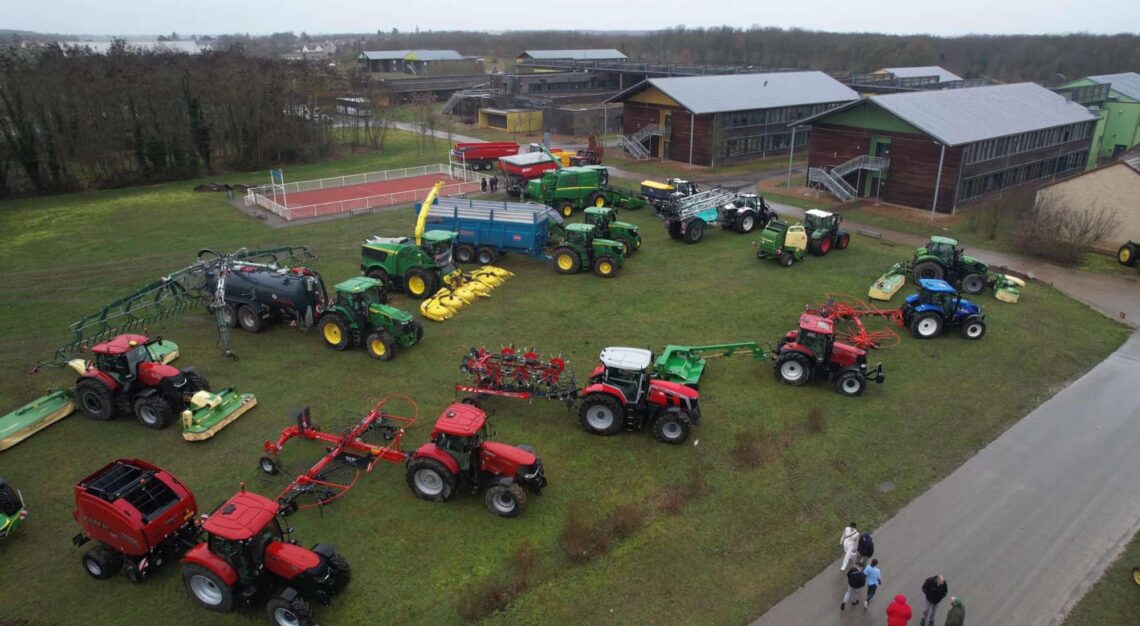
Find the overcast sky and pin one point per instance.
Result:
(944, 17)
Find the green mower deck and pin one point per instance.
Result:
(211, 412)
(685, 364)
(34, 417)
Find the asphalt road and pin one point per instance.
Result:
(1023, 528)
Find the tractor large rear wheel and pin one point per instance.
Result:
(596, 199)
(9, 499)
(342, 573)
(928, 269)
(694, 231)
(1126, 255)
(821, 246)
(567, 260)
(102, 562)
(850, 383)
(746, 223)
(94, 400)
(420, 283)
(380, 345)
(973, 283)
(672, 427)
(430, 480)
(973, 328)
(926, 325)
(601, 414)
(793, 368)
(505, 500)
(207, 588)
(334, 330)
(295, 612)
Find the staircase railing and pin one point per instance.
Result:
(836, 185)
(636, 149)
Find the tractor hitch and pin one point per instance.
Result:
(877, 374)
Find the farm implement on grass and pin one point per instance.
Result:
(12, 509)
(511, 373)
(943, 259)
(847, 313)
(686, 364)
(686, 218)
(35, 416)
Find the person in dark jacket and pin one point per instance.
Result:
(898, 612)
(957, 614)
(483, 184)
(935, 589)
(866, 549)
(856, 580)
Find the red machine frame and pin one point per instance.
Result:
(846, 313)
(511, 374)
(347, 448)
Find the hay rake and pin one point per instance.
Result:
(847, 313)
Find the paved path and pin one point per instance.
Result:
(1023, 528)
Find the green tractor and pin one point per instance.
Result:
(400, 264)
(581, 249)
(783, 242)
(824, 233)
(606, 226)
(12, 509)
(357, 315)
(1126, 255)
(942, 259)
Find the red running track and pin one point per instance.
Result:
(306, 204)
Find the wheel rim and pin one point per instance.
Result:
(747, 222)
(378, 347)
(205, 590)
(92, 403)
(671, 430)
(246, 317)
(503, 502)
(429, 482)
(1125, 256)
(567, 210)
(974, 330)
(463, 255)
(484, 258)
(147, 414)
(228, 315)
(927, 327)
(285, 617)
(93, 567)
(824, 245)
(852, 385)
(1136, 575)
(565, 262)
(791, 371)
(605, 267)
(600, 202)
(267, 466)
(600, 417)
(416, 285)
(332, 334)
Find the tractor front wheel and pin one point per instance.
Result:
(787, 259)
(605, 267)
(378, 273)
(419, 328)
(626, 247)
(430, 480)
(420, 283)
(928, 269)
(601, 414)
(1126, 255)
(973, 283)
(926, 325)
(505, 500)
(596, 199)
(196, 382)
(342, 573)
(380, 345)
(10, 503)
(567, 261)
(566, 208)
(694, 231)
(102, 562)
(94, 400)
(793, 368)
(850, 383)
(335, 332)
(672, 427)
(207, 588)
(249, 319)
(1136, 575)
(154, 412)
(295, 612)
(842, 241)
(465, 253)
(973, 329)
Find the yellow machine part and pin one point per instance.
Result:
(461, 289)
(796, 238)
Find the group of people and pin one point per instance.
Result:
(862, 571)
(489, 184)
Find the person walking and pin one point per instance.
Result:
(856, 580)
(874, 577)
(898, 612)
(494, 183)
(935, 589)
(483, 184)
(957, 614)
(866, 549)
(849, 541)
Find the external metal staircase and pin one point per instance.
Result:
(833, 178)
(635, 144)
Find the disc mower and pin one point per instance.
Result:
(812, 353)
(12, 509)
(686, 364)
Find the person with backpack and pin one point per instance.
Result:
(866, 549)
(935, 589)
(898, 612)
(856, 580)
(849, 541)
(957, 614)
(874, 577)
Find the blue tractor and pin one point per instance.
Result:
(938, 306)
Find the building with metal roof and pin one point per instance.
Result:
(1120, 106)
(1116, 186)
(706, 120)
(607, 54)
(941, 149)
(944, 75)
(405, 61)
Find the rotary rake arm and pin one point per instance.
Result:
(847, 312)
(512, 373)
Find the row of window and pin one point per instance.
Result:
(756, 117)
(976, 186)
(1016, 144)
(760, 144)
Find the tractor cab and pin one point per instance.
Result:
(627, 369)
(601, 217)
(586, 236)
(682, 188)
(121, 356)
(243, 531)
(815, 333)
(461, 430)
(438, 245)
(944, 249)
(941, 295)
(815, 219)
(360, 294)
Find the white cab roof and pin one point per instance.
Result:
(817, 213)
(626, 358)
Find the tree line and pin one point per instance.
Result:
(73, 119)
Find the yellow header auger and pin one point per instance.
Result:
(458, 288)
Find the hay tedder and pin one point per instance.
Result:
(847, 314)
(422, 267)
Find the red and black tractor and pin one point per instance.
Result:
(623, 394)
(138, 515)
(461, 457)
(127, 376)
(811, 352)
(247, 556)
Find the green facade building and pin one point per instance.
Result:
(1120, 108)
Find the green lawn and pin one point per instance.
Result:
(1115, 599)
(714, 531)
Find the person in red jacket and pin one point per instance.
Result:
(898, 612)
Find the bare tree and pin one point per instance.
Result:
(1055, 230)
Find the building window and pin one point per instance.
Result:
(991, 182)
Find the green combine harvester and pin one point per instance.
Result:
(686, 364)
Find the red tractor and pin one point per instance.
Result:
(460, 457)
(138, 515)
(623, 394)
(127, 376)
(811, 352)
(247, 555)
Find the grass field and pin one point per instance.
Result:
(1115, 599)
(712, 532)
